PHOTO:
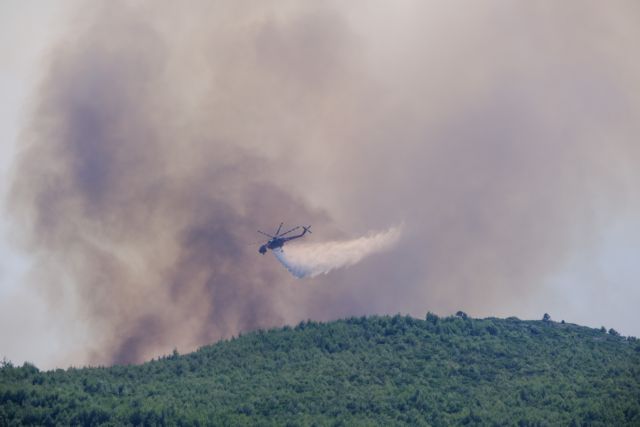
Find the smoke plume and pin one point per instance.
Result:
(503, 135)
(312, 259)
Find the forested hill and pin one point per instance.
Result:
(360, 371)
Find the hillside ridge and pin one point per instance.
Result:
(363, 371)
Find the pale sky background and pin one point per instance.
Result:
(34, 331)
(28, 29)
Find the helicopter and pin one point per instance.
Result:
(278, 240)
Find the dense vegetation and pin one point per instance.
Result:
(360, 371)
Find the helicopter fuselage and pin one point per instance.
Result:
(272, 244)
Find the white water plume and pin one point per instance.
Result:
(312, 259)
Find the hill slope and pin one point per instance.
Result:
(377, 370)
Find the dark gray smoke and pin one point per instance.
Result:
(502, 136)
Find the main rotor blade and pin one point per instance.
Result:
(268, 235)
(278, 231)
(287, 232)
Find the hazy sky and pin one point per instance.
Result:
(155, 139)
(28, 31)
